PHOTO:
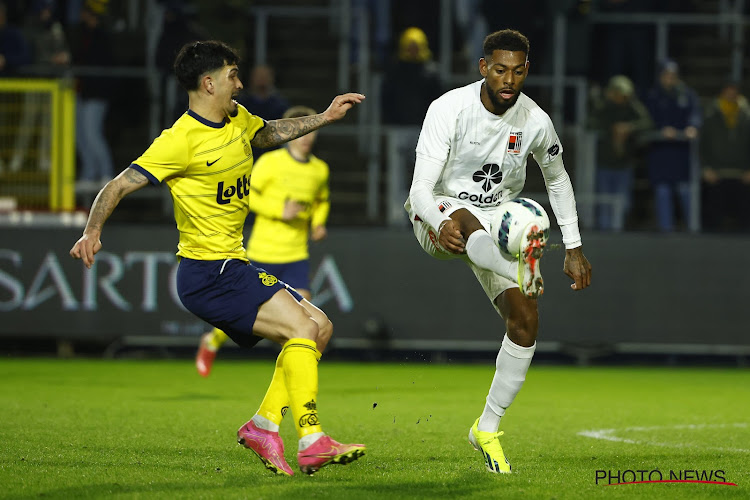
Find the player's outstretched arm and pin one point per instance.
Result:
(577, 268)
(89, 244)
(277, 132)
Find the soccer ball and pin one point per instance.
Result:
(511, 218)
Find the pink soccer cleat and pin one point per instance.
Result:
(326, 451)
(267, 445)
(204, 360)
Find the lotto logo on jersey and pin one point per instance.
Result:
(241, 188)
(514, 143)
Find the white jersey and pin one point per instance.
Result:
(484, 155)
(469, 154)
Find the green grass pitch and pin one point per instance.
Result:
(155, 429)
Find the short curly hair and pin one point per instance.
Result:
(511, 40)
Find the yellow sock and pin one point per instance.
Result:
(217, 339)
(300, 362)
(276, 401)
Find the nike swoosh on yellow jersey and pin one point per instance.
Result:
(209, 163)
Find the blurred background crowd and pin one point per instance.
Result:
(647, 95)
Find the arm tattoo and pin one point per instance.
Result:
(102, 208)
(111, 194)
(277, 132)
(134, 177)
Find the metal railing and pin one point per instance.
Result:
(338, 14)
(732, 19)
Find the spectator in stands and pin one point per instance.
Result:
(91, 45)
(422, 13)
(411, 84)
(14, 53)
(725, 159)
(14, 50)
(675, 111)
(50, 56)
(44, 30)
(619, 118)
(261, 98)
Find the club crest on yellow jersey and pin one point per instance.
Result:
(268, 279)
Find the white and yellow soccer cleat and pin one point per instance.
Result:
(489, 444)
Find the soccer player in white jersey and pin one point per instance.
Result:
(470, 158)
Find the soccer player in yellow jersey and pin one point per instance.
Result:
(289, 194)
(205, 159)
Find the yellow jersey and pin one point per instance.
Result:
(278, 177)
(206, 166)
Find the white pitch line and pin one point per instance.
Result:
(609, 435)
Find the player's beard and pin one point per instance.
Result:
(500, 105)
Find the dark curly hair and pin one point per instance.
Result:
(511, 40)
(195, 59)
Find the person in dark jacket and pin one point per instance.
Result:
(50, 56)
(675, 111)
(91, 45)
(263, 99)
(725, 160)
(15, 51)
(411, 83)
(619, 118)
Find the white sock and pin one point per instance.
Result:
(511, 366)
(482, 250)
(306, 441)
(264, 423)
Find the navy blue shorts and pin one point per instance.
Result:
(227, 294)
(294, 274)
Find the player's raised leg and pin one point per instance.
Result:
(484, 252)
(511, 365)
(520, 263)
(211, 342)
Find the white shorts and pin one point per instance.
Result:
(492, 283)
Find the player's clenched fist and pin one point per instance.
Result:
(85, 249)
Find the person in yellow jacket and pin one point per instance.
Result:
(289, 195)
